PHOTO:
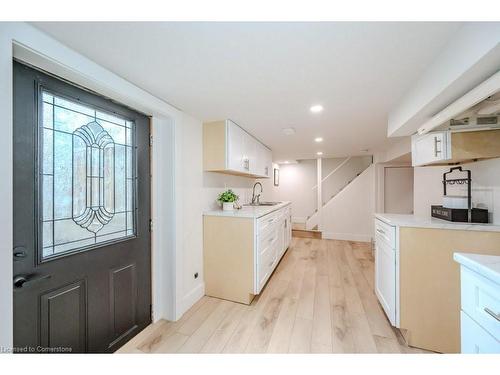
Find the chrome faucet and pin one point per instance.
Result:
(256, 198)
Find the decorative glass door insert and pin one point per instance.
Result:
(87, 176)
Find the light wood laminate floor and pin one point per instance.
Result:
(320, 299)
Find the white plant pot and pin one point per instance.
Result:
(227, 206)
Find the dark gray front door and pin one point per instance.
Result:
(82, 262)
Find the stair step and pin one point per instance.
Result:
(304, 233)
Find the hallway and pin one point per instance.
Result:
(319, 300)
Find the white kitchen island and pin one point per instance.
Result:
(480, 302)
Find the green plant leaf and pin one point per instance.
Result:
(227, 196)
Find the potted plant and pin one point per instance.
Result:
(227, 198)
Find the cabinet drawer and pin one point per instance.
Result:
(265, 223)
(474, 339)
(268, 239)
(385, 232)
(481, 300)
(266, 262)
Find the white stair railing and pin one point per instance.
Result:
(344, 162)
(314, 220)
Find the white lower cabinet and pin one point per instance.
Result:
(385, 268)
(385, 278)
(475, 339)
(273, 238)
(480, 313)
(268, 251)
(241, 251)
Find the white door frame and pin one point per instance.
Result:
(28, 44)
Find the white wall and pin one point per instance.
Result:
(298, 183)
(214, 183)
(349, 216)
(295, 185)
(428, 188)
(197, 191)
(398, 190)
(189, 215)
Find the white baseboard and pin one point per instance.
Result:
(190, 299)
(299, 219)
(346, 237)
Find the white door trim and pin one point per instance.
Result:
(25, 42)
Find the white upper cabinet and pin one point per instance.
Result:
(430, 148)
(264, 161)
(250, 151)
(236, 144)
(447, 147)
(227, 148)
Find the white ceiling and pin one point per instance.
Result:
(265, 76)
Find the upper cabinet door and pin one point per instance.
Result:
(430, 148)
(264, 161)
(236, 148)
(227, 148)
(251, 151)
(268, 165)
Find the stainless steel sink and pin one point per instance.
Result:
(262, 204)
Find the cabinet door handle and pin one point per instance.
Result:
(380, 231)
(490, 312)
(270, 264)
(271, 240)
(436, 151)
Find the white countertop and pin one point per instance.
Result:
(485, 265)
(413, 221)
(248, 211)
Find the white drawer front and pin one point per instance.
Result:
(481, 300)
(474, 339)
(385, 278)
(385, 232)
(267, 259)
(265, 223)
(268, 239)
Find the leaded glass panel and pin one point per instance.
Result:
(87, 176)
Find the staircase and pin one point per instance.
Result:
(351, 169)
(299, 230)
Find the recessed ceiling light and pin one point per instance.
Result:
(288, 131)
(316, 108)
(319, 153)
(318, 139)
(286, 162)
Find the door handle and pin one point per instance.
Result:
(436, 151)
(22, 280)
